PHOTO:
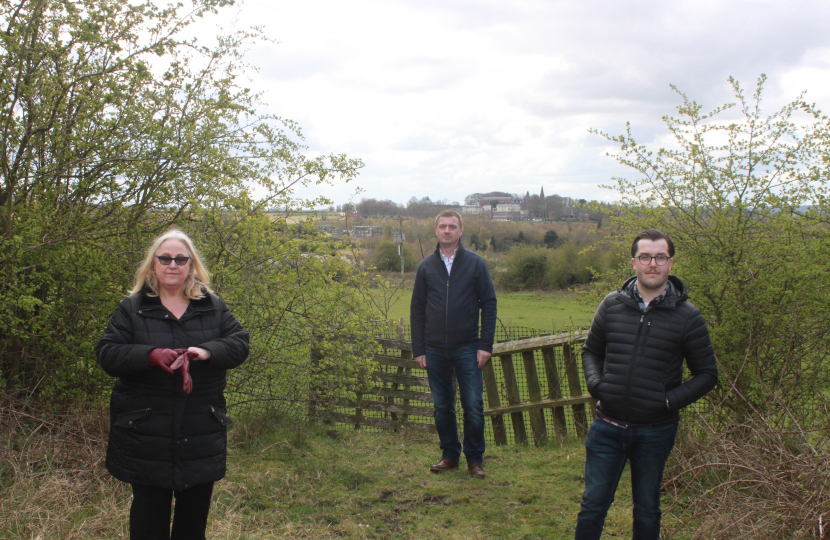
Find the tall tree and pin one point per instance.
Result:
(113, 126)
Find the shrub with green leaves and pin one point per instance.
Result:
(528, 267)
(525, 268)
(387, 258)
(116, 126)
(744, 198)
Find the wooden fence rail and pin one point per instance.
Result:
(396, 388)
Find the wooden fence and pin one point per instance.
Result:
(398, 395)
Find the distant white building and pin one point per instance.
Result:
(509, 207)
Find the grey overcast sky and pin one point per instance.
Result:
(443, 98)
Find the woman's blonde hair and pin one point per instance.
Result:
(198, 279)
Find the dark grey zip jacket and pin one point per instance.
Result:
(633, 361)
(160, 436)
(445, 308)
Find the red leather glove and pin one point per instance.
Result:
(163, 358)
(183, 362)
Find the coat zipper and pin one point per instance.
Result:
(631, 366)
(447, 316)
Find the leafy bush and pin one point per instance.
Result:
(745, 203)
(387, 258)
(551, 238)
(525, 268)
(537, 268)
(291, 301)
(128, 152)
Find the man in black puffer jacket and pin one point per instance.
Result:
(633, 363)
(452, 287)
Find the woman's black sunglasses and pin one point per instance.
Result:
(165, 260)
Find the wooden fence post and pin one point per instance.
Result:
(554, 391)
(492, 387)
(575, 386)
(407, 371)
(400, 371)
(513, 397)
(534, 393)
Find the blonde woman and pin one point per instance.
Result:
(170, 343)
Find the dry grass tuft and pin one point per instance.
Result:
(52, 480)
(750, 480)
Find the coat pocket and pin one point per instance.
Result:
(133, 419)
(221, 417)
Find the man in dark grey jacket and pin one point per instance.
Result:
(633, 362)
(452, 286)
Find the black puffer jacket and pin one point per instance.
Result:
(633, 361)
(444, 311)
(160, 436)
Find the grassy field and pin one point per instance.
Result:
(322, 482)
(544, 311)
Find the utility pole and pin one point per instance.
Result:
(347, 210)
(398, 237)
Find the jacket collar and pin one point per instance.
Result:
(151, 303)
(675, 295)
(458, 253)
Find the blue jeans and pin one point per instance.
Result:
(608, 447)
(463, 361)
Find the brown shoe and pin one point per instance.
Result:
(443, 465)
(476, 470)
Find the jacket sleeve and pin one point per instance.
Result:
(232, 347)
(487, 304)
(700, 357)
(593, 351)
(116, 352)
(417, 312)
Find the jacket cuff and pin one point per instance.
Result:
(139, 359)
(592, 389)
(675, 403)
(485, 347)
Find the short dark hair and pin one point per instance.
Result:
(449, 213)
(653, 235)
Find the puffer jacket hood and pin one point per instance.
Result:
(676, 293)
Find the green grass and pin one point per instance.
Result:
(336, 483)
(319, 482)
(544, 311)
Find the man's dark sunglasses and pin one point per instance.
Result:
(165, 260)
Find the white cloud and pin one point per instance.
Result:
(446, 97)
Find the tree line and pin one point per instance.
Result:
(540, 207)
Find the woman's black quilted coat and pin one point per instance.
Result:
(160, 436)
